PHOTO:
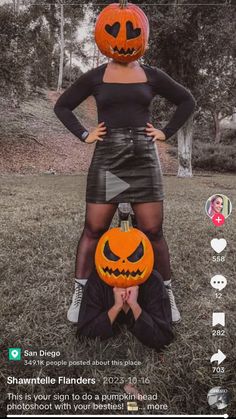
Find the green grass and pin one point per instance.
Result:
(41, 220)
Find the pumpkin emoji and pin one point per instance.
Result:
(124, 256)
(122, 31)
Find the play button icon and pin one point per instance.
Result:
(114, 185)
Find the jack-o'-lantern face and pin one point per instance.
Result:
(122, 31)
(124, 258)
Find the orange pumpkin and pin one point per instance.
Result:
(124, 257)
(122, 31)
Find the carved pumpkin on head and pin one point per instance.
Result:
(122, 31)
(124, 257)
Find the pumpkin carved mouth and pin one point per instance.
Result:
(129, 274)
(122, 51)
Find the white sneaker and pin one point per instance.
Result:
(73, 312)
(174, 311)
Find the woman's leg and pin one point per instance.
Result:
(98, 218)
(149, 218)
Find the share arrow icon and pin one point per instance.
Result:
(218, 356)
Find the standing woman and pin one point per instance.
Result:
(125, 166)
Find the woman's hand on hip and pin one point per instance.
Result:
(157, 134)
(95, 135)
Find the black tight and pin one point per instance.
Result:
(149, 218)
(98, 218)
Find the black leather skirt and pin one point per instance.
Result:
(125, 167)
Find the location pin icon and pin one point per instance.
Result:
(14, 353)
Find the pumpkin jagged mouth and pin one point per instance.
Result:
(129, 51)
(130, 275)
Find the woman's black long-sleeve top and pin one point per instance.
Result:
(124, 104)
(153, 326)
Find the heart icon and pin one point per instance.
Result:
(218, 245)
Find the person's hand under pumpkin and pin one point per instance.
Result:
(95, 135)
(132, 300)
(120, 298)
(157, 134)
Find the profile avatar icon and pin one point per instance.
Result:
(218, 207)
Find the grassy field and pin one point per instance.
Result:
(40, 222)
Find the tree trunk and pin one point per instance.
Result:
(60, 76)
(70, 67)
(185, 135)
(18, 7)
(71, 53)
(217, 127)
(234, 115)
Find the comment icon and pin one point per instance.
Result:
(218, 282)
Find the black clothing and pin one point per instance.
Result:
(130, 155)
(153, 326)
(124, 104)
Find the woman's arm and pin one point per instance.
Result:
(94, 319)
(168, 88)
(153, 325)
(70, 99)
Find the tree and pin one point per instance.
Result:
(14, 52)
(62, 47)
(217, 84)
(43, 32)
(195, 46)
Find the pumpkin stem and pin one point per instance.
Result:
(123, 3)
(124, 226)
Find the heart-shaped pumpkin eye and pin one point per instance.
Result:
(113, 30)
(131, 32)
